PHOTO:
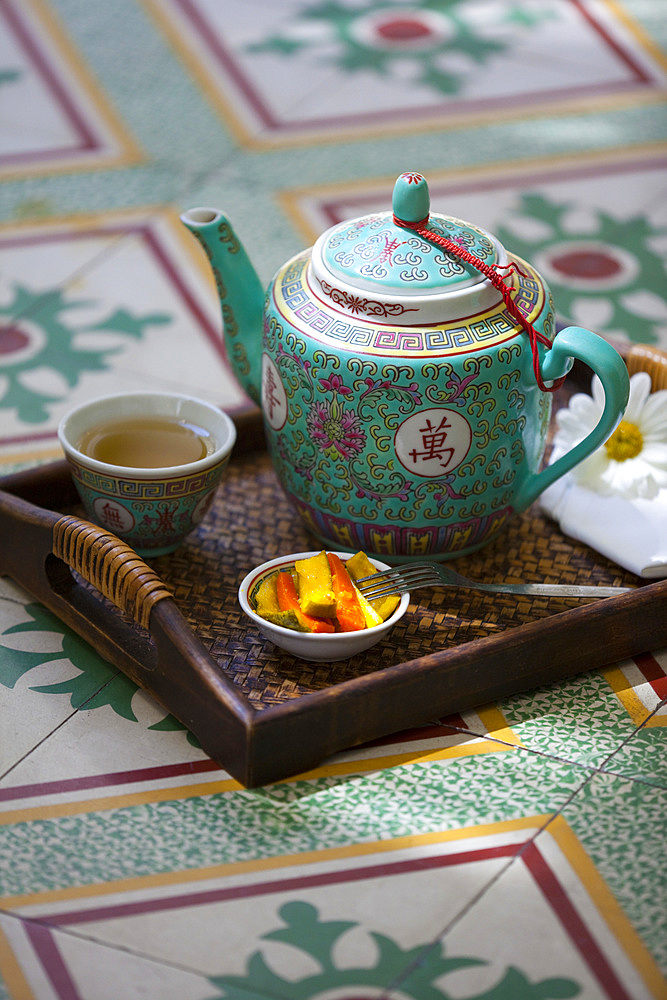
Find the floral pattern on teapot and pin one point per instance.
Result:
(405, 366)
(407, 457)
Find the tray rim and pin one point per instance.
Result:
(272, 743)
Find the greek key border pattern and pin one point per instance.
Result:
(136, 489)
(296, 305)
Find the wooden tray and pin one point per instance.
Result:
(262, 714)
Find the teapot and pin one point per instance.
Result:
(405, 366)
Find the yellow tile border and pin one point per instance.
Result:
(609, 909)
(291, 199)
(599, 894)
(223, 786)
(252, 141)
(155, 9)
(124, 800)
(9, 455)
(130, 152)
(363, 765)
(145, 215)
(11, 972)
(90, 218)
(643, 39)
(633, 705)
(265, 864)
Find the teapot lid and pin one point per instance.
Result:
(402, 276)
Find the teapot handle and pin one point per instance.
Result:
(608, 365)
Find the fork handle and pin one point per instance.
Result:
(532, 589)
(549, 589)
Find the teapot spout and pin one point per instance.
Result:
(240, 291)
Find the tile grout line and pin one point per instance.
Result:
(595, 771)
(123, 948)
(60, 725)
(492, 881)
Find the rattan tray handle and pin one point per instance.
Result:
(110, 565)
(642, 358)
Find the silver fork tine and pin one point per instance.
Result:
(399, 573)
(398, 581)
(398, 588)
(389, 575)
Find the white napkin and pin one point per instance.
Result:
(632, 533)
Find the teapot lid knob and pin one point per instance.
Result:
(389, 266)
(411, 201)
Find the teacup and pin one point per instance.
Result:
(153, 505)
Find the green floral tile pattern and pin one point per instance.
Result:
(430, 967)
(61, 353)
(71, 673)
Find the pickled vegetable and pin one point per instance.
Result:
(349, 611)
(316, 595)
(359, 566)
(266, 596)
(288, 598)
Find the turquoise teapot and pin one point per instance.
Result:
(405, 368)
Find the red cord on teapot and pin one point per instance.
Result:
(497, 280)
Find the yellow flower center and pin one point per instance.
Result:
(625, 442)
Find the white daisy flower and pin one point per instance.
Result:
(633, 461)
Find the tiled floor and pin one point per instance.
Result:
(514, 854)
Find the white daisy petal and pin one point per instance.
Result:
(642, 475)
(621, 477)
(646, 488)
(640, 388)
(583, 407)
(655, 453)
(576, 421)
(568, 421)
(640, 467)
(654, 415)
(591, 469)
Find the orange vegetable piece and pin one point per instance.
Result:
(348, 609)
(288, 600)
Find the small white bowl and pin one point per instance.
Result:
(322, 647)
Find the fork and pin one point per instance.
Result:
(415, 575)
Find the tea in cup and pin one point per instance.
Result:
(146, 464)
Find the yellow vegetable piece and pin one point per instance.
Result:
(268, 606)
(316, 595)
(372, 616)
(288, 600)
(359, 566)
(385, 606)
(288, 619)
(266, 596)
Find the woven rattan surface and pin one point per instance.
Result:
(251, 521)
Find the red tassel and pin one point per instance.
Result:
(496, 279)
